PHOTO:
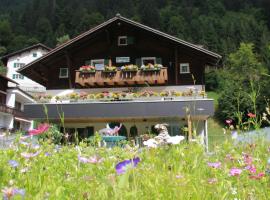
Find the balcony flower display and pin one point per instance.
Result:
(110, 69)
(130, 67)
(148, 94)
(87, 68)
(151, 67)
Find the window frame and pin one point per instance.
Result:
(148, 58)
(98, 60)
(60, 74)
(184, 65)
(122, 37)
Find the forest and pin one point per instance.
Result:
(239, 30)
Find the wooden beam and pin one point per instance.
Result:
(176, 64)
(69, 65)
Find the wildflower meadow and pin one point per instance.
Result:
(185, 171)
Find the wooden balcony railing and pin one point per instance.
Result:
(5, 109)
(121, 78)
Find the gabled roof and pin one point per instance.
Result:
(119, 17)
(39, 45)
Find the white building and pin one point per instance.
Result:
(12, 100)
(18, 59)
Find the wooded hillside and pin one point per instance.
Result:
(219, 25)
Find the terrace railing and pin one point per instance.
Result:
(121, 78)
(6, 109)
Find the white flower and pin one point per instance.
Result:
(175, 139)
(151, 143)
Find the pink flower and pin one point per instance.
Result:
(29, 155)
(94, 159)
(235, 172)
(215, 165)
(228, 121)
(41, 129)
(258, 176)
(212, 180)
(251, 115)
(178, 176)
(251, 168)
(247, 159)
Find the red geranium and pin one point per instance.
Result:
(251, 115)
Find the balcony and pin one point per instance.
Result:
(5, 109)
(121, 78)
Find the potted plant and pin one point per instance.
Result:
(110, 69)
(87, 69)
(129, 68)
(151, 67)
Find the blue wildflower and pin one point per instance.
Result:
(13, 163)
(123, 166)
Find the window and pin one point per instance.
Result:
(122, 41)
(18, 105)
(147, 60)
(17, 76)
(63, 73)
(99, 64)
(34, 55)
(18, 65)
(184, 68)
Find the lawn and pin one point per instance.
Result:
(184, 171)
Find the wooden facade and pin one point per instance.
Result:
(102, 43)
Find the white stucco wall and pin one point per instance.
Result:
(25, 58)
(6, 119)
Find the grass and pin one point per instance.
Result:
(215, 96)
(169, 172)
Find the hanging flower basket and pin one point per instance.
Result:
(110, 69)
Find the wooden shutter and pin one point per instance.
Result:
(106, 62)
(87, 62)
(138, 62)
(130, 40)
(159, 61)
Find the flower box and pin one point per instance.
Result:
(129, 68)
(110, 69)
(87, 69)
(152, 68)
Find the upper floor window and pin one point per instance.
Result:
(184, 68)
(35, 55)
(98, 63)
(149, 60)
(18, 65)
(17, 76)
(122, 40)
(63, 73)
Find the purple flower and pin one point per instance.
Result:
(47, 154)
(235, 171)
(215, 165)
(29, 155)
(8, 193)
(122, 166)
(13, 163)
(251, 168)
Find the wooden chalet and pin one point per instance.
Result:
(117, 43)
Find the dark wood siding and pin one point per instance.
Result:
(104, 45)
